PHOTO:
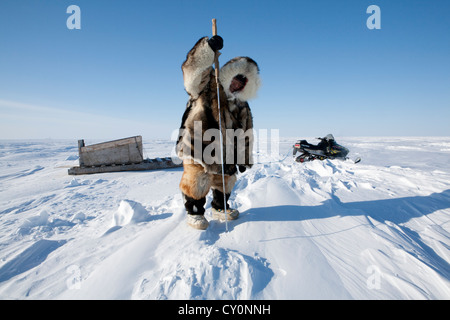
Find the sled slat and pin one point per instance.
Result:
(144, 165)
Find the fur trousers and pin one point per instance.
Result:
(196, 183)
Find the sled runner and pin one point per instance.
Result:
(117, 155)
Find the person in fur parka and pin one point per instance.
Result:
(198, 144)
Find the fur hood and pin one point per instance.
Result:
(241, 66)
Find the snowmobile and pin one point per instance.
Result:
(327, 148)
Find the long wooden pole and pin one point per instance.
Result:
(216, 66)
(216, 57)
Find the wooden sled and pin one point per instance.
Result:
(116, 156)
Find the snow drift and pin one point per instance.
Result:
(321, 230)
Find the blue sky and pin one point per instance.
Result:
(323, 70)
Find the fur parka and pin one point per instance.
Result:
(196, 141)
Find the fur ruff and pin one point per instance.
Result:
(244, 66)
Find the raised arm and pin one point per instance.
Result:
(198, 64)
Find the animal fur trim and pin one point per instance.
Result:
(244, 66)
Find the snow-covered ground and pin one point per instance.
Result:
(379, 229)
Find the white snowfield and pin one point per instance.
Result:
(379, 229)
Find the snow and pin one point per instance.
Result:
(378, 229)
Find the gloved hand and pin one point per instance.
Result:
(216, 43)
(242, 169)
